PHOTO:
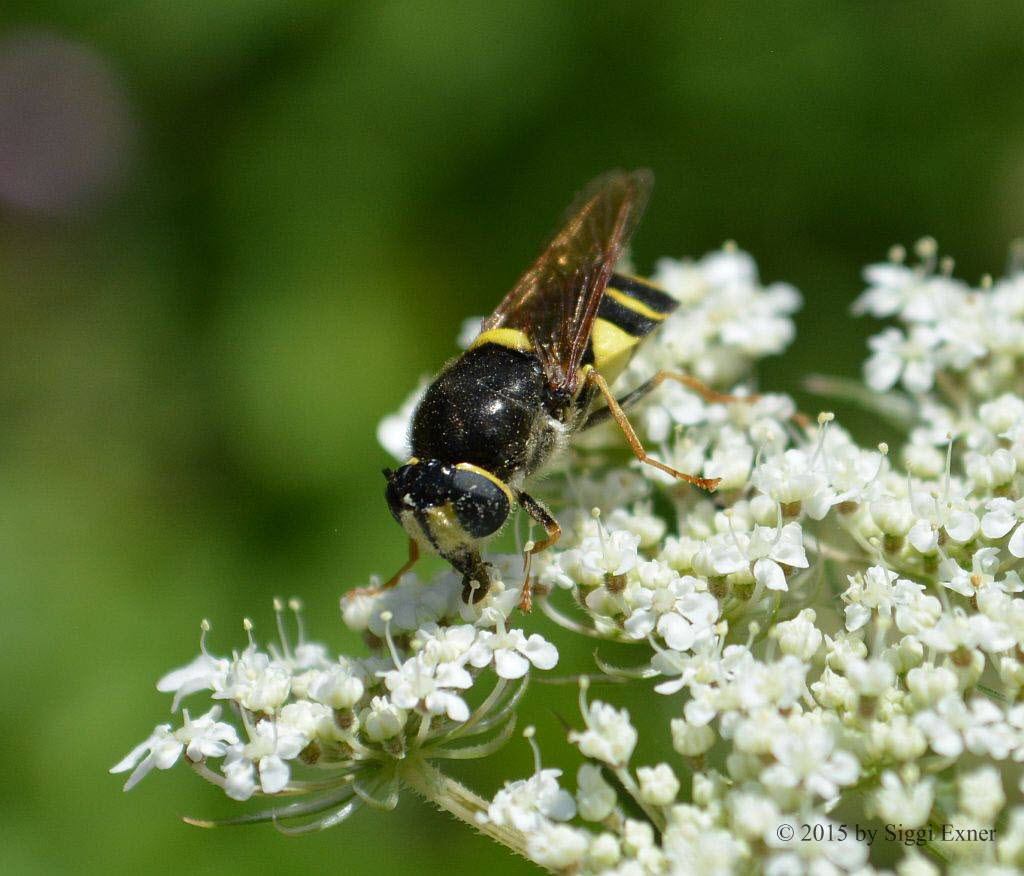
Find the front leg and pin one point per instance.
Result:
(414, 555)
(542, 516)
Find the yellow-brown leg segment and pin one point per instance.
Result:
(712, 396)
(616, 412)
(709, 395)
(542, 516)
(414, 555)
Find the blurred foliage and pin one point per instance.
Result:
(193, 357)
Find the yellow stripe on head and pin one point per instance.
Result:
(494, 479)
(512, 338)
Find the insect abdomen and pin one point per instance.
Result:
(630, 310)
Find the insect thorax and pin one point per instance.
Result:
(488, 408)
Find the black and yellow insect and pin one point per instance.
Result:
(531, 379)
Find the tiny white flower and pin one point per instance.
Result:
(512, 653)
(382, 720)
(604, 852)
(256, 682)
(1004, 515)
(752, 814)
(200, 738)
(690, 740)
(799, 637)
(870, 678)
(339, 688)
(981, 794)
(266, 755)
(952, 725)
(613, 553)
(203, 673)
(907, 804)
(558, 847)
(526, 804)
(658, 784)
(909, 359)
(790, 477)
(765, 550)
(432, 689)
(806, 757)
(595, 798)
(990, 470)
(984, 569)
(436, 644)
(609, 735)
(308, 719)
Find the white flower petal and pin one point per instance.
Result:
(274, 774)
(509, 664)
(999, 520)
(769, 574)
(677, 631)
(540, 652)
(1016, 544)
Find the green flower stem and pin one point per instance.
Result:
(459, 801)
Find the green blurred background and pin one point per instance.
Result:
(233, 235)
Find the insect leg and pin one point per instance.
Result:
(540, 514)
(615, 411)
(414, 555)
(630, 398)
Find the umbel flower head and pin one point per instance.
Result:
(838, 629)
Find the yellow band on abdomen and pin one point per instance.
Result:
(514, 339)
(634, 305)
(612, 347)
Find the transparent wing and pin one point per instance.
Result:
(556, 300)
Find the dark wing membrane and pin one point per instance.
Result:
(555, 302)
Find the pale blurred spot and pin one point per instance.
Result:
(65, 124)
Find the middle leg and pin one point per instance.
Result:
(616, 412)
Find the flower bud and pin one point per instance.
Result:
(928, 684)
(799, 637)
(689, 740)
(981, 794)
(604, 852)
(382, 720)
(338, 688)
(892, 516)
(595, 798)
(658, 785)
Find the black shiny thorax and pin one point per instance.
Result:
(490, 407)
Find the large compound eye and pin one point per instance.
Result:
(481, 505)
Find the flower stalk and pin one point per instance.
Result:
(461, 803)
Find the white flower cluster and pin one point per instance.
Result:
(836, 626)
(349, 721)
